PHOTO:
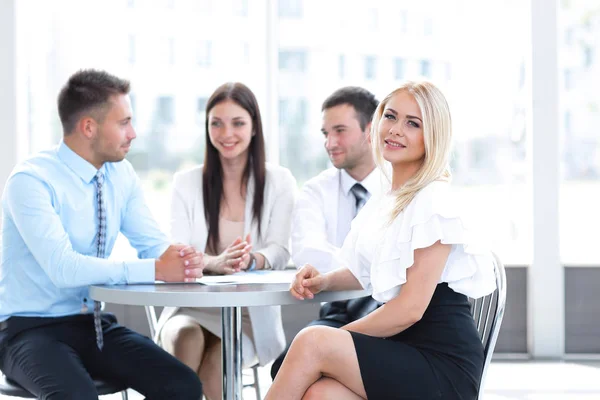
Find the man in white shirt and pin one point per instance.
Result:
(329, 202)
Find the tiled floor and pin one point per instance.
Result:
(506, 381)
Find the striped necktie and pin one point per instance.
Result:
(361, 194)
(100, 245)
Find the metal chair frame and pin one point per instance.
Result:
(487, 313)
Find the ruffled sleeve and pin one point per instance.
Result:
(430, 217)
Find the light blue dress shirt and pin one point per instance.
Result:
(49, 234)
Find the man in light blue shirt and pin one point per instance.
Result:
(63, 209)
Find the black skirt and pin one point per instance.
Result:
(439, 357)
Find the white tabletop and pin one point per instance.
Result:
(198, 295)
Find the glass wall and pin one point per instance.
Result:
(579, 60)
(378, 44)
(174, 52)
(177, 52)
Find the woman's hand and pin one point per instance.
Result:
(245, 264)
(231, 260)
(308, 282)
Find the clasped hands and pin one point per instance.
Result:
(235, 258)
(181, 263)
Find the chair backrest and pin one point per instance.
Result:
(488, 312)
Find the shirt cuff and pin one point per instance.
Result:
(269, 254)
(139, 271)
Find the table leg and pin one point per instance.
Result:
(231, 347)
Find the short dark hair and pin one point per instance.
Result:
(87, 91)
(363, 101)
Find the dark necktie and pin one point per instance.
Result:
(361, 194)
(100, 245)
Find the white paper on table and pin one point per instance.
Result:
(249, 277)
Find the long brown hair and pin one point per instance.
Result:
(212, 172)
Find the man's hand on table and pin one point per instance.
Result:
(179, 263)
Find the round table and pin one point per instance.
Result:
(230, 298)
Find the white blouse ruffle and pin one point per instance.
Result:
(379, 253)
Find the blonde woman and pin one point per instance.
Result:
(236, 209)
(409, 246)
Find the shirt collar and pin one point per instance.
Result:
(77, 164)
(372, 182)
(346, 182)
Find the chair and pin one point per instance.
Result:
(10, 388)
(153, 322)
(488, 312)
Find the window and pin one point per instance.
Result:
(372, 19)
(161, 51)
(204, 54)
(427, 26)
(403, 21)
(448, 70)
(370, 67)
(168, 106)
(133, 100)
(198, 138)
(580, 152)
(588, 56)
(131, 49)
(295, 138)
(399, 68)
(290, 8)
(292, 60)
(490, 160)
(568, 79)
(425, 68)
(240, 8)
(201, 111)
(165, 110)
(171, 50)
(246, 52)
(203, 6)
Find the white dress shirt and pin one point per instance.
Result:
(323, 215)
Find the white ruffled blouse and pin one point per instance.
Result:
(379, 253)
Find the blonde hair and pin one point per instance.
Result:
(437, 135)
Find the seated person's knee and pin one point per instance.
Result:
(186, 386)
(179, 331)
(316, 391)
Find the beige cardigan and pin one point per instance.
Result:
(188, 226)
